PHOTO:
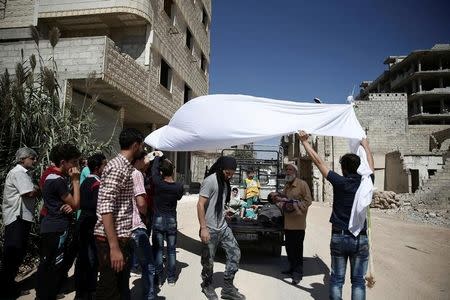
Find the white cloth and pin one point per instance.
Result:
(220, 121)
(18, 183)
(363, 196)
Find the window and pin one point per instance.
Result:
(2, 8)
(204, 17)
(187, 93)
(168, 8)
(203, 63)
(189, 39)
(165, 75)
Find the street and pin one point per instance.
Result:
(412, 261)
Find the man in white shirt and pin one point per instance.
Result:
(18, 206)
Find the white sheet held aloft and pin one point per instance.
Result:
(220, 121)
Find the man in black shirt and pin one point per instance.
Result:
(166, 194)
(87, 263)
(344, 245)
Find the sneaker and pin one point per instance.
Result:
(295, 281)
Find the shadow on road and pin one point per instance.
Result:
(257, 262)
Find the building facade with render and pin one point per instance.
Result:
(148, 57)
(405, 113)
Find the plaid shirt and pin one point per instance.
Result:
(115, 196)
(139, 190)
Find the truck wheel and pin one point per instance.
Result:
(276, 250)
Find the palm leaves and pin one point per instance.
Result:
(34, 115)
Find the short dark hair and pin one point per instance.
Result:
(129, 136)
(166, 168)
(63, 152)
(350, 163)
(140, 156)
(95, 161)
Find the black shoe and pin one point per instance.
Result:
(296, 281)
(287, 272)
(208, 290)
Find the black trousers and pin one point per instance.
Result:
(112, 285)
(14, 250)
(50, 270)
(86, 265)
(294, 250)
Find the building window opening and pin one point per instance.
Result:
(431, 172)
(432, 107)
(430, 84)
(166, 75)
(168, 4)
(187, 93)
(189, 39)
(203, 63)
(414, 180)
(204, 17)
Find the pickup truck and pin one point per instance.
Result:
(267, 165)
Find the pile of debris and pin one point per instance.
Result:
(385, 200)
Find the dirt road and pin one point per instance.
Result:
(412, 261)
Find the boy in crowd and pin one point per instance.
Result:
(60, 204)
(87, 263)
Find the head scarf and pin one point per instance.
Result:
(222, 163)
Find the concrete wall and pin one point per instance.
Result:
(108, 123)
(199, 162)
(396, 178)
(423, 163)
(19, 13)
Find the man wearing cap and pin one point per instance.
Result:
(214, 231)
(295, 221)
(19, 203)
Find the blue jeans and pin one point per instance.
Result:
(144, 256)
(165, 227)
(356, 249)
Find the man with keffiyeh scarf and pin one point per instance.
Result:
(214, 230)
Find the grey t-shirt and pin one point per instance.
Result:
(210, 189)
(18, 183)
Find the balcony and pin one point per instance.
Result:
(81, 15)
(120, 80)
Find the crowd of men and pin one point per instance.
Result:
(117, 215)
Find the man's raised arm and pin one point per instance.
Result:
(317, 160)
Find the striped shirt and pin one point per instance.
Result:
(115, 196)
(139, 189)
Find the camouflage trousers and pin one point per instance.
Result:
(226, 239)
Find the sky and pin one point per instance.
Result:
(298, 50)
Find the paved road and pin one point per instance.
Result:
(412, 261)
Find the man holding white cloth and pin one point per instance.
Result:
(345, 244)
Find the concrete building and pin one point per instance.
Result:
(148, 57)
(409, 136)
(424, 75)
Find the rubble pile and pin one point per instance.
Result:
(385, 200)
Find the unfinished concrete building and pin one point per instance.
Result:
(149, 57)
(405, 115)
(424, 75)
